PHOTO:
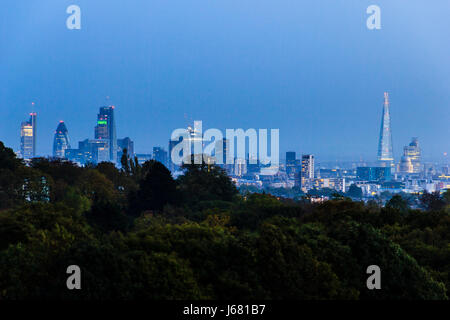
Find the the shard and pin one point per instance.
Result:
(385, 153)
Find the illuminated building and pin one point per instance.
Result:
(385, 153)
(100, 150)
(307, 172)
(106, 130)
(61, 141)
(413, 152)
(28, 138)
(406, 165)
(337, 184)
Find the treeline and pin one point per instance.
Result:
(136, 233)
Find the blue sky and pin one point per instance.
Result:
(310, 68)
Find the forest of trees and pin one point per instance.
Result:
(137, 233)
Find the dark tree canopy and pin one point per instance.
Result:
(139, 234)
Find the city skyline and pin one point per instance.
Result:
(106, 129)
(232, 68)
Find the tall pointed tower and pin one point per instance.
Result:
(385, 153)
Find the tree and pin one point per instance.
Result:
(432, 201)
(156, 190)
(8, 159)
(355, 192)
(203, 182)
(10, 181)
(397, 202)
(446, 197)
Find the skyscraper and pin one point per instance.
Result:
(61, 141)
(307, 171)
(385, 153)
(291, 164)
(405, 165)
(106, 130)
(28, 137)
(412, 151)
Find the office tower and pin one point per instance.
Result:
(308, 166)
(405, 165)
(106, 130)
(291, 164)
(125, 143)
(385, 153)
(85, 148)
(307, 172)
(413, 152)
(28, 138)
(61, 141)
(160, 155)
(100, 150)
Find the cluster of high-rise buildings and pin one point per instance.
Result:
(104, 147)
(408, 175)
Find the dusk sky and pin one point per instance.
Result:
(309, 68)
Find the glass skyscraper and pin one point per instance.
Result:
(28, 138)
(61, 141)
(307, 172)
(385, 153)
(106, 130)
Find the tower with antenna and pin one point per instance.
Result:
(385, 148)
(28, 136)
